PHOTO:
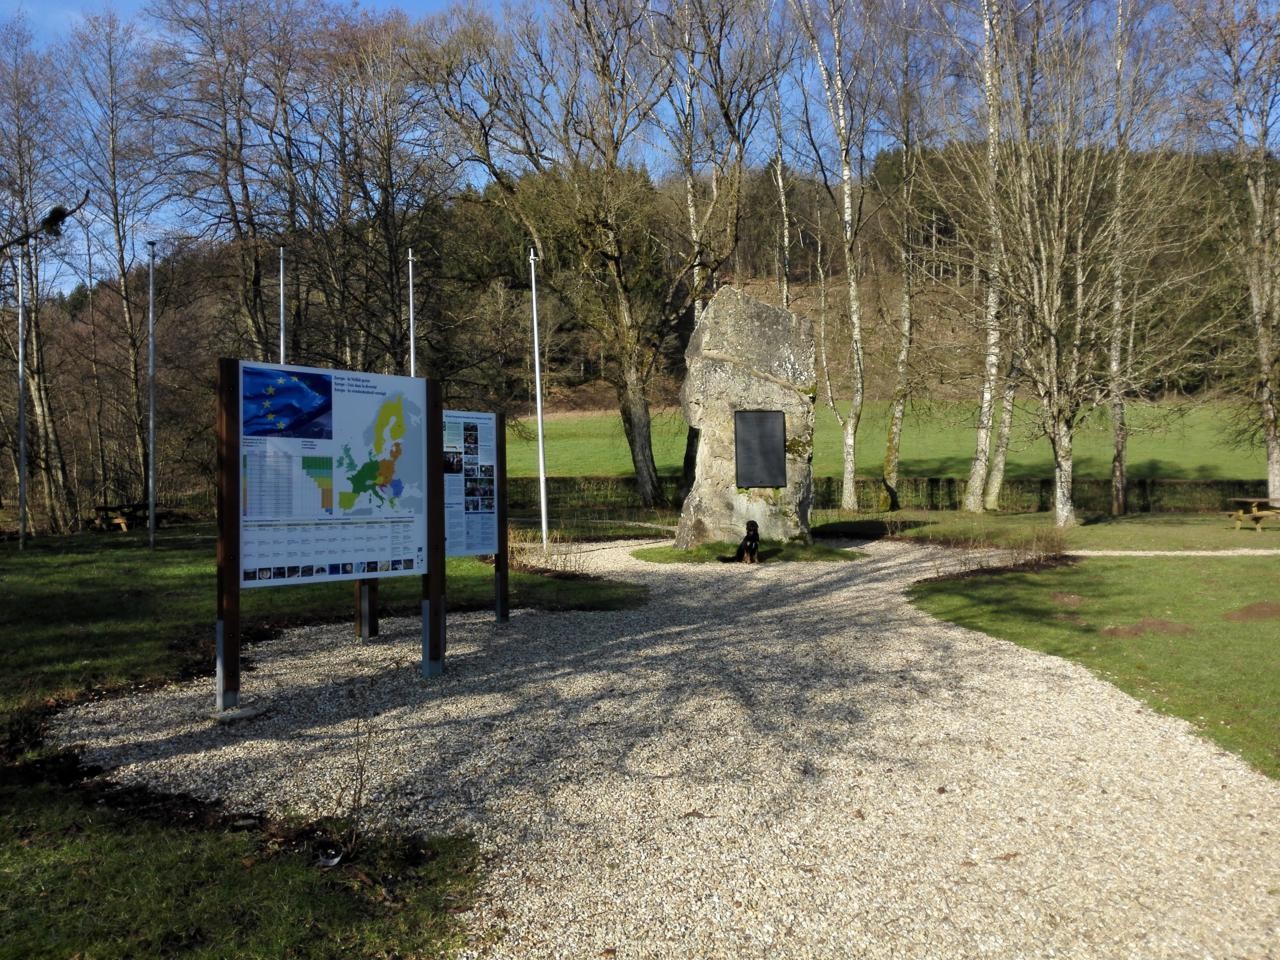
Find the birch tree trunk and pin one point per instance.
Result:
(1060, 437)
(845, 58)
(1000, 456)
(59, 504)
(1117, 385)
(897, 409)
(976, 486)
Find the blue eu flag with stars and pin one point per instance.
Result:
(287, 403)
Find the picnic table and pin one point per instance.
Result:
(119, 516)
(1255, 509)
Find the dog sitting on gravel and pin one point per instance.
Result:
(749, 548)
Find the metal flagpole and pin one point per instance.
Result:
(282, 303)
(151, 400)
(22, 402)
(537, 385)
(413, 333)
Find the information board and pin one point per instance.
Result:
(470, 483)
(333, 475)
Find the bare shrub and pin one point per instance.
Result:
(564, 555)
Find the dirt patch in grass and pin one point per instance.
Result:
(1069, 600)
(1264, 610)
(1147, 625)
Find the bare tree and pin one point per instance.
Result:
(556, 112)
(210, 93)
(1237, 104)
(911, 80)
(29, 114)
(846, 59)
(111, 138)
(1067, 211)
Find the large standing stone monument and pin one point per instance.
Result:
(745, 355)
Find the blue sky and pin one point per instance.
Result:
(50, 20)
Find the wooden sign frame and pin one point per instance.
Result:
(227, 626)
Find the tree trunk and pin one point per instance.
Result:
(848, 487)
(99, 433)
(1116, 379)
(1119, 466)
(974, 499)
(634, 407)
(848, 451)
(995, 472)
(1060, 436)
(1268, 406)
(784, 242)
(978, 469)
(137, 380)
(893, 447)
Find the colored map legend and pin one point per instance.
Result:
(320, 470)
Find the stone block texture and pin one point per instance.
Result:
(747, 355)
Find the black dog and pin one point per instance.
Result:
(749, 548)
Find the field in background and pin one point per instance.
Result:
(1169, 441)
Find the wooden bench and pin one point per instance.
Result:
(1254, 509)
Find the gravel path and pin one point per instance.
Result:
(777, 761)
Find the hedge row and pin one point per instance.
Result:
(1091, 495)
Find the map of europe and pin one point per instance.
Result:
(381, 472)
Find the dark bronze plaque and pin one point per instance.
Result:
(760, 448)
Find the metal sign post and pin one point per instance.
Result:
(500, 559)
(537, 382)
(227, 632)
(433, 582)
(366, 609)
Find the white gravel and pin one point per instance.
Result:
(778, 761)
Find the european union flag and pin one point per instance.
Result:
(287, 403)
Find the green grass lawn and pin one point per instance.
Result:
(1145, 531)
(81, 879)
(94, 611)
(98, 613)
(1171, 442)
(771, 551)
(1192, 638)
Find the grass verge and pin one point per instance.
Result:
(1146, 531)
(88, 613)
(94, 874)
(88, 879)
(1193, 639)
(771, 551)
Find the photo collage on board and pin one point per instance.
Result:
(478, 479)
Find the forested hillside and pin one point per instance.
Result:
(1056, 204)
